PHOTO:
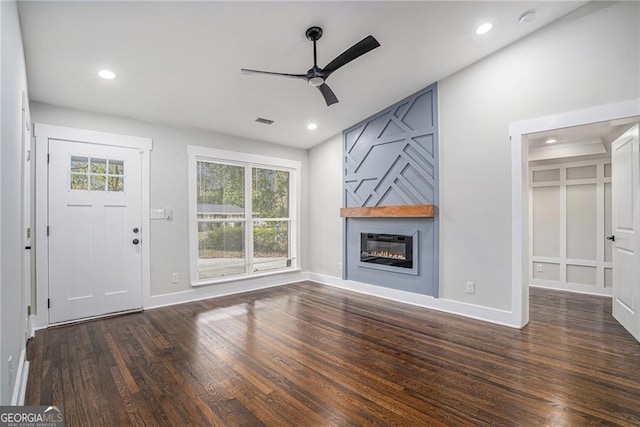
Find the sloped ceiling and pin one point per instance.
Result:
(179, 62)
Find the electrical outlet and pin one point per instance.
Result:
(471, 287)
(175, 278)
(539, 268)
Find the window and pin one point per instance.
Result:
(95, 174)
(243, 213)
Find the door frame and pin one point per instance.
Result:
(43, 133)
(27, 213)
(518, 132)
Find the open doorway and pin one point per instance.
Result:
(570, 207)
(520, 134)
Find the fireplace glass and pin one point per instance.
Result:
(392, 250)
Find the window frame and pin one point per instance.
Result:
(248, 161)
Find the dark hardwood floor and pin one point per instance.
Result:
(312, 355)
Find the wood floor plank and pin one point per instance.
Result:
(312, 355)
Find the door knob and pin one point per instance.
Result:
(136, 229)
(612, 238)
(136, 241)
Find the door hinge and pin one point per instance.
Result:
(47, 230)
(48, 157)
(48, 302)
(28, 310)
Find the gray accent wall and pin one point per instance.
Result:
(391, 159)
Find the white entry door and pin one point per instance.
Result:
(626, 230)
(95, 238)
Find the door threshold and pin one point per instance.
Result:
(89, 319)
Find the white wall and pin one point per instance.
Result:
(14, 82)
(591, 57)
(565, 66)
(169, 240)
(570, 215)
(325, 177)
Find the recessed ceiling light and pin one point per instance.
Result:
(484, 28)
(312, 126)
(550, 141)
(527, 17)
(107, 74)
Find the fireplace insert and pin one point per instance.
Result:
(392, 250)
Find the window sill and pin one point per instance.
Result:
(227, 279)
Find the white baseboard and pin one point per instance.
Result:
(492, 315)
(20, 385)
(223, 289)
(486, 314)
(37, 323)
(571, 287)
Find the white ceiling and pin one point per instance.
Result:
(587, 140)
(179, 62)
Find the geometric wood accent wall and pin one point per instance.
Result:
(391, 159)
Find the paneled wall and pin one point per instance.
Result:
(391, 159)
(570, 211)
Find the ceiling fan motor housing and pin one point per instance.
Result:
(314, 33)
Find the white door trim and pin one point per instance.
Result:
(520, 193)
(44, 132)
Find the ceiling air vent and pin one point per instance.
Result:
(264, 121)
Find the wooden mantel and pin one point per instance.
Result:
(411, 211)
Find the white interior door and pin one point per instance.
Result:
(95, 262)
(626, 230)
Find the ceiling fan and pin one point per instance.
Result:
(317, 76)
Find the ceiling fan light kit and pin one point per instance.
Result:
(317, 76)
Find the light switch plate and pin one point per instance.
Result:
(156, 214)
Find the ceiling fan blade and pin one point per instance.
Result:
(328, 94)
(363, 46)
(293, 76)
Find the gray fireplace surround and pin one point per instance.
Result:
(391, 159)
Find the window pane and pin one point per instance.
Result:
(79, 164)
(116, 167)
(270, 193)
(270, 245)
(98, 166)
(220, 249)
(98, 183)
(116, 183)
(79, 182)
(220, 191)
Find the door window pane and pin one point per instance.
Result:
(79, 164)
(79, 181)
(98, 182)
(116, 183)
(98, 166)
(116, 167)
(221, 250)
(270, 193)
